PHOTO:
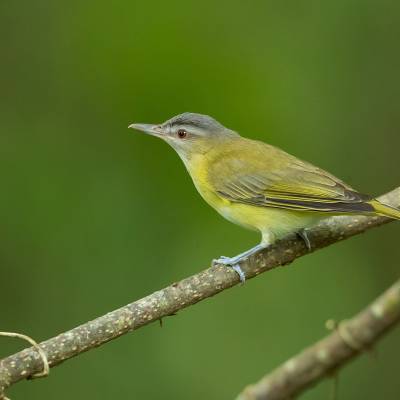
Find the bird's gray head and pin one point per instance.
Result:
(189, 133)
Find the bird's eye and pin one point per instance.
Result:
(182, 133)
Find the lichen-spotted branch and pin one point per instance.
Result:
(350, 339)
(180, 295)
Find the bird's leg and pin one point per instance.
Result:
(233, 262)
(302, 233)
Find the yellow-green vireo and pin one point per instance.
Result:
(256, 185)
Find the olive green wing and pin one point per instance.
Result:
(292, 184)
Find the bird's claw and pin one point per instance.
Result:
(231, 263)
(227, 261)
(302, 233)
(239, 271)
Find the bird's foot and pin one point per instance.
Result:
(231, 262)
(227, 261)
(303, 235)
(239, 271)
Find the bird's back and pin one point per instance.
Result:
(255, 168)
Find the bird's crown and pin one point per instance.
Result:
(189, 119)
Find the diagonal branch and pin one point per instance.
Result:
(349, 340)
(180, 295)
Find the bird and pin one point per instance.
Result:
(257, 185)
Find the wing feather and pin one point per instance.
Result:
(290, 184)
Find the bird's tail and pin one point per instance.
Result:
(384, 210)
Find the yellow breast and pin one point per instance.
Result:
(272, 222)
(198, 170)
(249, 217)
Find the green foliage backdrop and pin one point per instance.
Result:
(94, 216)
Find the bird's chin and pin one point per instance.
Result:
(176, 146)
(179, 148)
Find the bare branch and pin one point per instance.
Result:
(46, 367)
(349, 340)
(180, 295)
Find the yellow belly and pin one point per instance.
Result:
(273, 223)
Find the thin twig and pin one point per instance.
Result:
(181, 295)
(46, 367)
(324, 358)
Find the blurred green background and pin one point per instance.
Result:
(94, 216)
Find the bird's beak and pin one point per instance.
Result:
(154, 130)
